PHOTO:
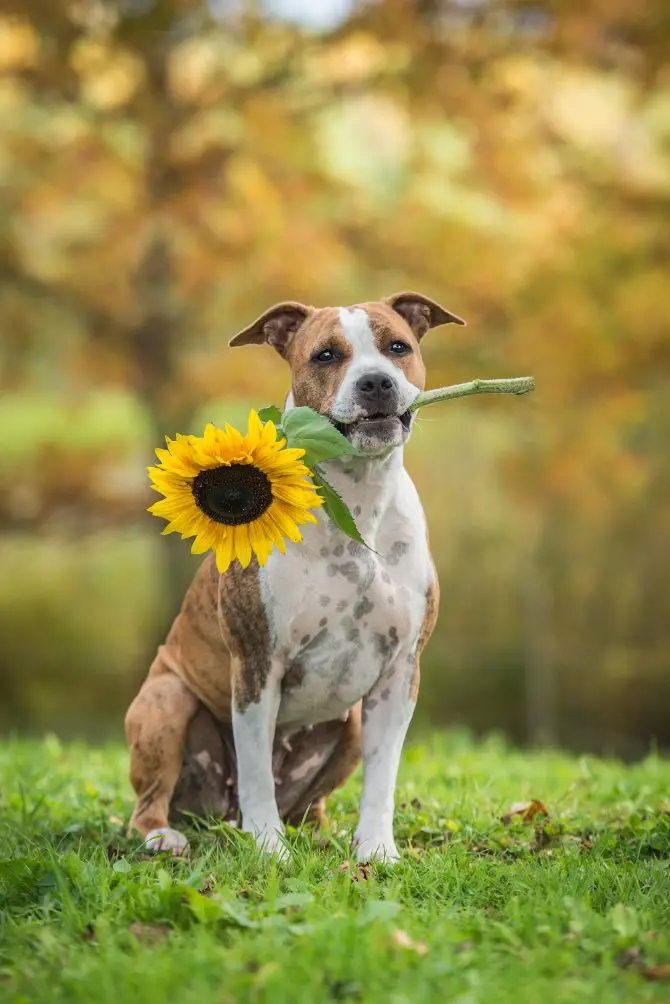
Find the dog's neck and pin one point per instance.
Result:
(367, 485)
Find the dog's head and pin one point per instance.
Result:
(361, 366)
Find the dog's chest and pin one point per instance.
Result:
(343, 615)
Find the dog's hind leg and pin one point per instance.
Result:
(156, 727)
(207, 781)
(320, 760)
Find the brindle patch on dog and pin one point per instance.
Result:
(246, 630)
(429, 622)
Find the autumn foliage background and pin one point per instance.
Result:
(169, 169)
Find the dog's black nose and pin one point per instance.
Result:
(375, 388)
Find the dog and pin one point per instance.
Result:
(274, 682)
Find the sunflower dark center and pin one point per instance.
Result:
(234, 494)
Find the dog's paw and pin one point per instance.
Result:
(166, 839)
(375, 848)
(269, 840)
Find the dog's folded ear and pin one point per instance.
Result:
(276, 326)
(420, 312)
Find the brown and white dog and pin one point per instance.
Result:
(274, 680)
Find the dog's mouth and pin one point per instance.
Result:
(373, 423)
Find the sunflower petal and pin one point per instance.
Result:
(255, 433)
(241, 544)
(224, 552)
(260, 544)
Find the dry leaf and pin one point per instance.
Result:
(629, 957)
(207, 888)
(403, 940)
(656, 973)
(149, 934)
(527, 810)
(360, 874)
(115, 820)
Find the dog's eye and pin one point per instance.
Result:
(399, 348)
(324, 356)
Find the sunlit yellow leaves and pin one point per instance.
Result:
(366, 142)
(19, 44)
(193, 66)
(206, 132)
(355, 59)
(109, 77)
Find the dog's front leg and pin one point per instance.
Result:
(387, 712)
(254, 721)
(156, 727)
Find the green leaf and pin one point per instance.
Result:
(624, 920)
(270, 414)
(378, 910)
(212, 909)
(336, 508)
(305, 429)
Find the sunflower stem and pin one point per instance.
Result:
(515, 385)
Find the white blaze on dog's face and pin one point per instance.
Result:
(361, 366)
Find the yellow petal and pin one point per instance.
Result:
(273, 531)
(224, 551)
(260, 544)
(255, 432)
(241, 544)
(282, 519)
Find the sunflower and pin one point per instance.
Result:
(237, 495)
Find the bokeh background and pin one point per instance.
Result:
(169, 168)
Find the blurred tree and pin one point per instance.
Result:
(169, 169)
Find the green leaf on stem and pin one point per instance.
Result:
(305, 429)
(270, 414)
(336, 508)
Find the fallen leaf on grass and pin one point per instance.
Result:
(656, 973)
(149, 934)
(633, 958)
(115, 820)
(526, 810)
(207, 888)
(629, 957)
(359, 874)
(403, 940)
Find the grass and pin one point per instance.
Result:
(573, 908)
